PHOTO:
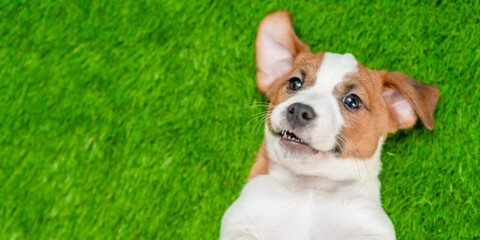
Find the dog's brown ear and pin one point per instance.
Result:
(408, 98)
(276, 47)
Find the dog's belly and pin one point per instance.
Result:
(268, 210)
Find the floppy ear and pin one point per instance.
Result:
(276, 47)
(408, 98)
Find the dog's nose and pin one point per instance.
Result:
(299, 114)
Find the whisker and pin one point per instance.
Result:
(356, 162)
(253, 104)
(368, 170)
(260, 114)
(259, 118)
(255, 117)
(341, 138)
(262, 122)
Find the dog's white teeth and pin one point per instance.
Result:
(290, 136)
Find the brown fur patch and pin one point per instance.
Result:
(364, 126)
(306, 62)
(261, 163)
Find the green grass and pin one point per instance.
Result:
(121, 120)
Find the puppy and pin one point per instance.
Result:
(328, 118)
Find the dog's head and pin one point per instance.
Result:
(329, 107)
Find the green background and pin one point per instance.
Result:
(124, 119)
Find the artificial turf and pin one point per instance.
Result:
(137, 119)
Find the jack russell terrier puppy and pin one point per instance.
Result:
(316, 175)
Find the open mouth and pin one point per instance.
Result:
(289, 136)
(293, 142)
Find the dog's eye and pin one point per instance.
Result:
(352, 101)
(294, 83)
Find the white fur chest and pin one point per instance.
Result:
(270, 209)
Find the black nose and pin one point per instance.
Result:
(299, 114)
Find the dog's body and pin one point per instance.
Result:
(328, 118)
(284, 205)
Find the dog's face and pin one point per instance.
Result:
(328, 106)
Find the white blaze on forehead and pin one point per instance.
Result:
(334, 68)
